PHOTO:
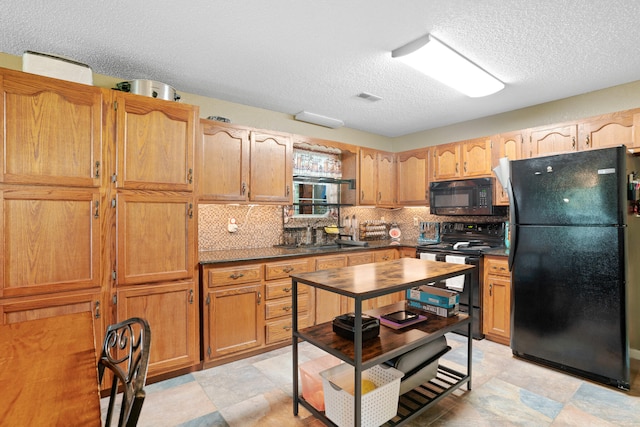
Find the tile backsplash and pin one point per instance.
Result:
(261, 226)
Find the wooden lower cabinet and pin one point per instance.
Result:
(328, 304)
(234, 320)
(171, 309)
(497, 299)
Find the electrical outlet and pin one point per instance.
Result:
(415, 221)
(232, 226)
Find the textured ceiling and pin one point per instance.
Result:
(293, 55)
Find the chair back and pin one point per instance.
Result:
(125, 353)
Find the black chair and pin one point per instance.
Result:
(125, 353)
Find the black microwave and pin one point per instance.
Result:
(462, 197)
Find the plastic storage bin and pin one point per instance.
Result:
(312, 381)
(378, 406)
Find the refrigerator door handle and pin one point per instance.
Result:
(513, 212)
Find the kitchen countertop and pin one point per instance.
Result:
(256, 254)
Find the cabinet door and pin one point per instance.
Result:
(446, 161)
(497, 297)
(50, 240)
(222, 162)
(368, 177)
(508, 145)
(386, 180)
(16, 310)
(553, 140)
(155, 237)
(476, 157)
(52, 131)
(406, 252)
(172, 312)
(271, 163)
(234, 317)
(413, 177)
(609, 130)
(154, 143)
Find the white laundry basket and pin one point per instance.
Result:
(378, 406)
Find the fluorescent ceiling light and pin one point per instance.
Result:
(317, 119)
(435, 59)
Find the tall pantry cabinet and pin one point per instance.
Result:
(51, 199)
(96, 193)
(154, 266)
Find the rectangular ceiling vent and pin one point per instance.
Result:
(369, 96)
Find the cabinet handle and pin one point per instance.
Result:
(490, 289)
(457, 167)
(286, 328)
(190, 296)
(288, 190)
(288, 269)
(379, 196)
(361, 195)
(587, 143)
(190, 176)
(287, 289)
(190, 211)
(465, 167)
(244, 187)
(97, 169)
(573, 144)
(259, 297)
(236, 276)
(97, 310)
(96, 214)
(287, 308)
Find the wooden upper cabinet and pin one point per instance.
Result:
(51, 240)
(222, 162)
(154, 143)
(155, 237)
(610, 130)
(377, 178)
(52, 131)
(508, 145)
(367, 177)
(271, 167)
(413, 177)
(555, 140)
(386, 179)
(446, 161)
(476, 157)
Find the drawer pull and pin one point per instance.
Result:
(287, 308)
(286, 289)
(236, 276)
(288, 269)
(286, 328)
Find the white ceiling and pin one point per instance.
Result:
(294, 55)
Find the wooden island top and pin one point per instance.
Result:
(370, 280)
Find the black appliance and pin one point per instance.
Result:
(464, 197)
(465, 241)
(568, 252)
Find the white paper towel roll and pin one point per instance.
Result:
(456, 283)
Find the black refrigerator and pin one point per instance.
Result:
(568, 260)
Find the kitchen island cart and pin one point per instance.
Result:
(367, 281)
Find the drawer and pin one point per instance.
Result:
(282, 288)
(234, 275)
(280, 330)
(281, 270)
(384, 255)
(497, 266)
(330, 262)
(357, 259)
(284, 306)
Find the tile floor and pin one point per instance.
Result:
(506, 392)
